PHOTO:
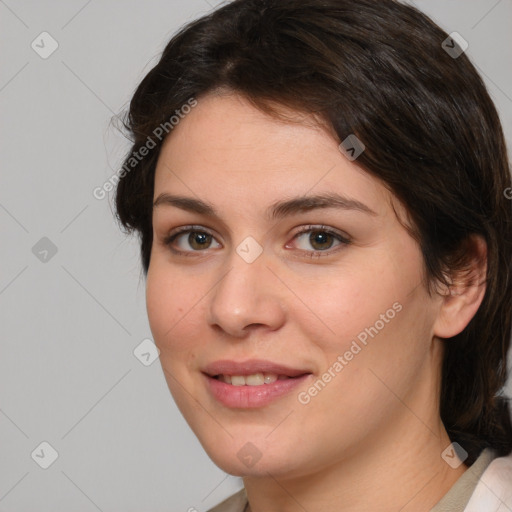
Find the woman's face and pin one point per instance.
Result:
(294, 267)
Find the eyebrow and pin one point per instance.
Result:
(276, 210)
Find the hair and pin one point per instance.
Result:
(432, 135)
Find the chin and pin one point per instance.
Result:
(233, 466)
(243, 457)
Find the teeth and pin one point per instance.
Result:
(269, 378)
(237, 380)
(256, 379)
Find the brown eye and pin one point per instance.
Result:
(199, 240)
(320, 240)
(316, 240)
(190, 241)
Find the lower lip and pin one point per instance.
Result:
(248, 397)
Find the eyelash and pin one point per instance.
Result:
(169, 240)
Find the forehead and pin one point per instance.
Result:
(227, 149)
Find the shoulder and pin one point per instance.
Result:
(235, 503)
(494, 489)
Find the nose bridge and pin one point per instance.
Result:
(247, 294)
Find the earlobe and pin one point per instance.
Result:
(465, 293)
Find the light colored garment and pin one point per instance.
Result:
(494, 490)
(456, 499)
(485, 487)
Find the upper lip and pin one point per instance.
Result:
(249, 367)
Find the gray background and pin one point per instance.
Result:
(70, 323)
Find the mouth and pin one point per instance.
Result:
(252, 383)
(255, 379)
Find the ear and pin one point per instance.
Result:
(461, 300)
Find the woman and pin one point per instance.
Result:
(319, 190)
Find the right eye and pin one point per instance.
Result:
(190, 239)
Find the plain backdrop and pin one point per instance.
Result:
(72, 307)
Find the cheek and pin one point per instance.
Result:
(374, 350)
(349, 300)
(171, 302)
(376, 312)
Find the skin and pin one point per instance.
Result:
(373, 435)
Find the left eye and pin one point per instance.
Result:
(319, 239)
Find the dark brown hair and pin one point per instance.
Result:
(432, 135)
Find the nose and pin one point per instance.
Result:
(246, 298)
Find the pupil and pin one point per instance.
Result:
(320, 238)
(197, 240)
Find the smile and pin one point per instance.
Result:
(255, 379)
(251, 384)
